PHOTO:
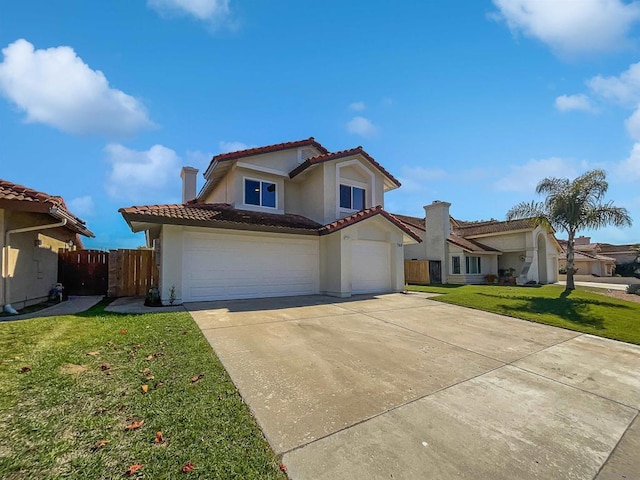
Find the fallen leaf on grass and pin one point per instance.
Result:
(105, 367)
(188, 467)
(158, 384)
(133, 469)
(123, 332)
(159, 438)
(99, 444)
(144, 388)
(135, 425)
(121, 407)
(283, 468)
(93, 354)
(25, 369)
(197, 378)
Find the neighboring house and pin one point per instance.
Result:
(280, 220)
(33, 227)
(622, 254)
(588, 258)
(466, 252)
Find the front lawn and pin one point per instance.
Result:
(581, 310)
(89, 396)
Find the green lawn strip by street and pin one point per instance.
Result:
(85, 385)
(580, 310)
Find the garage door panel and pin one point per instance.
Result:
(371, 267)
(219, 266)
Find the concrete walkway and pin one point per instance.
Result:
(69, 307)
(403, 387)
(605, 286)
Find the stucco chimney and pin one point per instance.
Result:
(188, 175)
(438, 228)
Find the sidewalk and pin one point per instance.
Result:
(606, 286)
(70, 307)
(136, 305)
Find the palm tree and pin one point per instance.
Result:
(572, 206)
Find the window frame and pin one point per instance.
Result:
(351, 188)
(260, 181)
(453, 265)
(477, 260)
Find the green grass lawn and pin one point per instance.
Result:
(581, 310)
(69, 383)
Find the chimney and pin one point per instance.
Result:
(438, 228)
(188, 175)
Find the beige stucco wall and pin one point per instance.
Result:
(306, 197)
(33, 257)
(171, 238)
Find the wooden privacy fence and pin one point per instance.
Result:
(83, 272)
(416, 272)
(131, 272)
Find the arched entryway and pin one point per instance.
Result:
(542, 259)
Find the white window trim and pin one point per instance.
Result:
(258, 168)
(244, 193)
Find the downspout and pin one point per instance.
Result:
(5, 270)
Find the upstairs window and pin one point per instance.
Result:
(352, 198)
(259, 193)
(473, 265)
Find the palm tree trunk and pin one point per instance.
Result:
(570, 262)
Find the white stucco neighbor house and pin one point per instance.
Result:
(466, 252)
(588, 258)
(280, 220)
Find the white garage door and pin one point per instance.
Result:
(219, 266)
(370, 267)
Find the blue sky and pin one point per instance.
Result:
(468, 102)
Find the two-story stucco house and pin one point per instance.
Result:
(279, 220)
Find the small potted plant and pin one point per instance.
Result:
(490, 278)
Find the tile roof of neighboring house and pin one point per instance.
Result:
(609, 248)
(584, 256)
(468, 229)
(43, 203)
(268, 149)
(470, 245)
(309, 162)
(414, 222)
(221, 215)
(363, 215)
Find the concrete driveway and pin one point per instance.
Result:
(403, 387)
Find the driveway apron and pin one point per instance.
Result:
(401, 386)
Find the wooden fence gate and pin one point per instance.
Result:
(131, 272)
(416, 272)
(83, 272)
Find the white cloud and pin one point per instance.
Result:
(629, 169)
(418, 179)
(226, 147)
(574, 26)
(633, 124)
(361, 126)
(357, 106)
(55, 87)
(148, 176)
(568, 103)
(524, 178)
(82, 206)
(624, 89)
(209, 10)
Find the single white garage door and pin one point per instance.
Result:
(370, 267)
(227, 266)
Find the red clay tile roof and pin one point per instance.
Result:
(414, 222)
(587, 257)
(268, 149)
(468, 229)
(43, 202)
(344, 153)
(363, 215)
(221, 215)
(470, 245)
(610, 248)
